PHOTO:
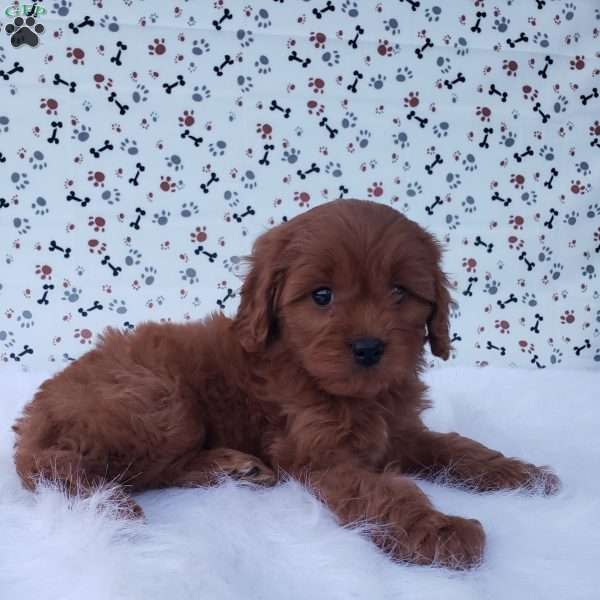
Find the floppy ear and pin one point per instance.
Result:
(437, 325)
(255, 322)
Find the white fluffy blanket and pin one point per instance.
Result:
(233, 542)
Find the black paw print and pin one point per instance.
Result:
(24, 31)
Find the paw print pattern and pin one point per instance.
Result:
(198, 164)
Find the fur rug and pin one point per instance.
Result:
(233, 542)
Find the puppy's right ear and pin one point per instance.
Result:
(256, 319)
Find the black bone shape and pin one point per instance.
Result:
(479, 242)
(71, 196)
(422, 120)
(123, 108)
(319, 12)
(491, 346)
(54, 246)
(523, 257)
(221, 301)
(140, 169)
(519, 157)
(594, 142)
(56, 125)
(438, 161)
(84, 312)
(44, 299)
(480, 15)
(218, 69)
(197, 140)
(265, 159)
(115, 270)
(460, 78)
(140, 213)
(578, 350)
(538, 108)
(471, 281)
(522, 38)
(286, 111)
(497, 198)
(548, 223)
(541, 4)
(2, 158)
(294, 57)
(17, 68)
(211, 255)
(87, 22)
(117, 59)
(543, 73)
(419, 51)
(4, 203)
(96, 153)
(249, 211)
(538, 319)
(414, 4)
(584, 99)
(502, 303)
(204, 186)
(58, 80)
(26, 350)
(438, 202)
(455, 338)
(553, 174)
(332, 132)
(486, 132)
(357, 75)
(227, 14)
(494, 90)
(343, 190)
(313, 169)
(169, 87)
(536, 362)
(353, 43)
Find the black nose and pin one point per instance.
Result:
(367, 351)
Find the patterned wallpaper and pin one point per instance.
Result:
(144, 145)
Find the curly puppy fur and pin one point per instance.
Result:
(284, 389)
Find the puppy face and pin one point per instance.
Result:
(353, 289)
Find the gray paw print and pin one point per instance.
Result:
(262, 65)
(334, 168)
(560, 105)
(190, 275)
(133, 258)
(20, 180)
(444, 64)
(544, 254)
(4, 121)
(161, 218)
(244, 37)
(433, 14)
(217, 148)
(233, 264)
(508, 139)
(111, 196)
(589, 271)
(25, 319)
(110, 23)
(401, 139)
(461, 46)
(40, 206)
(37, 160)
(593, 210)
(61, 8)
(414, 188)
(188, 209)
(200, 47)
(129, 146)
(149, 275)
(118, 306)
(469, 204)
(392, 25)
(556, 271)
(291, 156)
(331, 57)
(72, 295)
(453, 221)
(21, 225)
(492, 287)
(349, 120)
(541, 39)
(529, 197)
(556, 356)
(571, 218)
(501, 24)
(140, 94)
(583, 167)
(362, 139)
(546, 152)
(201, 92)
(441, 129)
(569, 11)
(377, 82)
(249, 180)
(232, 198)
(453, 180)
(81, 133)
(7, 338)
(245, 83)
(529, 299)
(403, 74)
(469, 163)
(350, 8)
(174, 162)
(262, 19)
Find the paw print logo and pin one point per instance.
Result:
(491, 287)
(556, 356)
(484, 113)
(24, 32)
(413, 188)
(501, 24)
(510, 67)
(469, 204)
(318, 39)
(291, 156)
(96, 247)
(571, 218)
(98, 223)
(589, 271)
(577, 63)
(412, 100)
(517, 221)
(44, 271)
(577, 187)
(518, 180)
(377, 82)
(158, 47)
(502, 326)
(384, 48)
(453, 221)
(167, 184)
(265, 130)
(302, 198)
(77, 55)
(187, 119)
(83, 335)
(469, 264)
(50, 105)
(97, 177)
(199, 235)
(375, 190)
(567, 317)
(529, 299)
(316, 84)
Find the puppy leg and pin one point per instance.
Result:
(407, 525)
(203, 468)
(468, 462)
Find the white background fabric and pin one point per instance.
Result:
(544, 317)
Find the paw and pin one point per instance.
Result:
(451, 542)
(514, 474)
(253, 470)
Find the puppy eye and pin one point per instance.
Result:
(322, 296)
(399, 293)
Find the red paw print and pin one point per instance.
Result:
(166, 184)
(103, 82)
(98, 223)
(83, 335)
(577, 63)
(265, 130)
(376, 190)
(44, 271)
(314, 108)
(595, 128)
(318, 39)
(518, 180)
(76, 55)
(384, 48)
(577, 187)
(517, 221)
(567, 317)
(529, 93)
(511, 67)
(470, 264)
(317, 85)
(484, 113)
(302, 198)
(502, 326)
(514, 243)
(187, 119)
(412, 100)
(96, 246)
(50, 105)
(98, 177)
(157, 48)
(199, 235)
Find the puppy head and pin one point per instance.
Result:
(353, 289)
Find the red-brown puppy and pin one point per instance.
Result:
(317, 376)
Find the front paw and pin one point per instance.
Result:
(449, 541)
(514, 474)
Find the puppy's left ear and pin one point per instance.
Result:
(438, 326)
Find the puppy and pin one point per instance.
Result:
(316, 377)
